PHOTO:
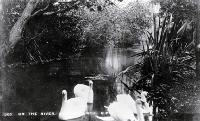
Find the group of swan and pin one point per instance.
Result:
(123, 109)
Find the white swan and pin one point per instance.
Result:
(72, 108)
(123, 109)
(84, 91)
(119, 112)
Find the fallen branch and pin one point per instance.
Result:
(63, 10)
(41, 11)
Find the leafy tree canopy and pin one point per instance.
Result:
(180, 9)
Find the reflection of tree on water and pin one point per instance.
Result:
(113, 62)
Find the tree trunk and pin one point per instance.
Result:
(198, 41)
(16, 31)
(14, 37)
(2, 71)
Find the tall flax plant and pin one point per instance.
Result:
(167, 60)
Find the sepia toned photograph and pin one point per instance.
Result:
(99, 60)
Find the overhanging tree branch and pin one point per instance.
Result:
(45, 11)
(63, 10)
(41, 11)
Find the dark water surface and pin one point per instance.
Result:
(37, 88)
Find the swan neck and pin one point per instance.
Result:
(65, 96)
(90, 84)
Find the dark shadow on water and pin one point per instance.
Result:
(37, 88)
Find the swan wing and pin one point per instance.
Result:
(73, 108)
(84, 91)
(119, 112)
(127, 100)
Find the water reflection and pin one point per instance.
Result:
(118, 59)
(113, 60)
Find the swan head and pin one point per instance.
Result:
(90, 83)
(64, 94)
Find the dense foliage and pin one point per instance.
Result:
(78, 31)
(167, 65)
(180, 9)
